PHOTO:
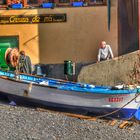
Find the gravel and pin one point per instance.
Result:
(21, 123)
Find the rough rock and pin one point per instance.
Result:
(124, 69)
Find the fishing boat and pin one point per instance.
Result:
(66, 96)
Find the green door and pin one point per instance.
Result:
(7, 42)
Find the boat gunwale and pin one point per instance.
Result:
(110, 92)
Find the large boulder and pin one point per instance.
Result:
(124, 69)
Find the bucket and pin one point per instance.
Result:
(68, 67)
(40, 70)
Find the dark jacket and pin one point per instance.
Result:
(25, 65)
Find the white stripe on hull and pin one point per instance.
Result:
(69, 97)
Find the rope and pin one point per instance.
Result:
(11, 57)
(105, 115)
(7, 59)
(95, 117)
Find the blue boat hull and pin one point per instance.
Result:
(70, 97)
(123, 114)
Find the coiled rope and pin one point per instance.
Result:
(12, 57)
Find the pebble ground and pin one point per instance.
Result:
(22, 123)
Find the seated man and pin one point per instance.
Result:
(105, 52)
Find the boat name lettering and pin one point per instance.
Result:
(48, 19)
(14, 19)
(36, 19)
(115, 99)
(33, 19)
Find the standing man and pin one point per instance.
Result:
(105, 52)
(25, 65)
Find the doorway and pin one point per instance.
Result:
(128, 26)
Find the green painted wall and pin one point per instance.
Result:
(7, 42)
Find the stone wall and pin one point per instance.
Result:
(57, 70)
(124, 69)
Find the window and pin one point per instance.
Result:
(64, 1)
(61, 3)
(32, 1)
(38, 1)
(97, 2)
(51, 1)
(57, 3)
(2, 2)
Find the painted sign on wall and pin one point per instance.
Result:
(33, 19)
